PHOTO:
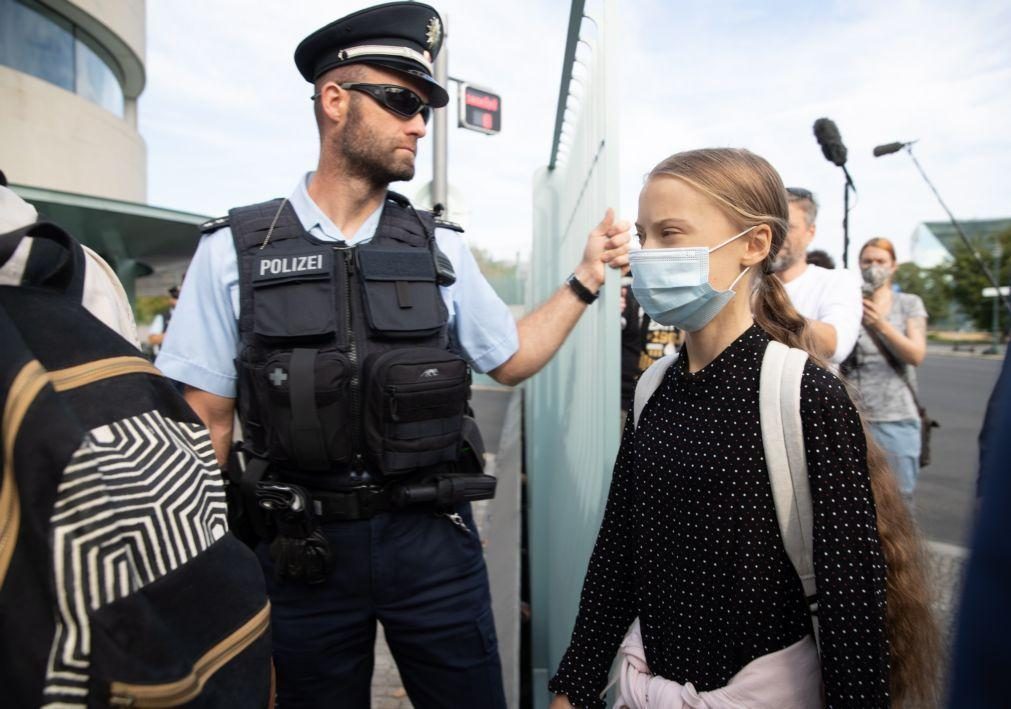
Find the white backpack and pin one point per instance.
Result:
(783, 441)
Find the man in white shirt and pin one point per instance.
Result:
(830, 299)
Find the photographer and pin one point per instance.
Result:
(892, 343)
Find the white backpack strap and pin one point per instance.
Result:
(648, 383)
(783, 440)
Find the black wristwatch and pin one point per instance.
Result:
(581, 291)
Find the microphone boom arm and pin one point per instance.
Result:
(958, 228)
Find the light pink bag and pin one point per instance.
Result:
(786, 679)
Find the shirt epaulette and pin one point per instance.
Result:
(212, 225)
(446, 224)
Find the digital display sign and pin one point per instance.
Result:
(480, 110)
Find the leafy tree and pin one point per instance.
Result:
(933, 285)
(504, 276)
(968, 281)
(147, 306)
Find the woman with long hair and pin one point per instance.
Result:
(689, 543)
(882, 366)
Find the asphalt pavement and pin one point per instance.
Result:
(955, 390)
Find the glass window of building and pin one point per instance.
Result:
(95, 78)
(35, 40)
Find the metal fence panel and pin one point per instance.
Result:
(573, 405)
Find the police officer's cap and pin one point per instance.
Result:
(403, 36)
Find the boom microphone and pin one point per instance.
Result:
(889, 148)
(830, 141)
(834, 151)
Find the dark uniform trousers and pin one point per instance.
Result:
(425, 580)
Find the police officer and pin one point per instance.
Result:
(344, 324)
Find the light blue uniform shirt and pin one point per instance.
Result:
(203, 341)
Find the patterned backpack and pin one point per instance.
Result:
(120, 583)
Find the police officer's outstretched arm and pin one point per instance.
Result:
(544, 330)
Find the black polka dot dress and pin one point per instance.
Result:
(690, 544)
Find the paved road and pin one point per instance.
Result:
(955, 391)
(490, 406)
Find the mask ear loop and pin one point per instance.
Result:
(739, 277)
(736, 236)
(720, 246)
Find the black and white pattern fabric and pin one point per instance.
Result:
(140, 498)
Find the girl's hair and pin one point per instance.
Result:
(879, 242)
(750, 192)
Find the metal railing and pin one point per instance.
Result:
(573, 405)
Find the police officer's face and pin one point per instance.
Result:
(376, 143)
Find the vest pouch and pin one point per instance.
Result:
(294, 296)
(247, 404)
(304, 397)
(195, 637)
(415, 404)
(399, 289)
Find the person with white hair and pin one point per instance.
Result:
(103, 295)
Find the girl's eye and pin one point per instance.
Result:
(641, 238)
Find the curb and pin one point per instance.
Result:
(939, 351)
(950, 550)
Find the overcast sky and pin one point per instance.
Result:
(228, 121)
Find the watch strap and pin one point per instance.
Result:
(581, 291)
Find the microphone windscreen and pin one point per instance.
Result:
(830, 141)
(888, 149)
(825, 130)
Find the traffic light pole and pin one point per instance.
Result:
(440, 127)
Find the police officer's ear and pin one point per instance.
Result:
(332, 103)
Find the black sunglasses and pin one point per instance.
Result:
(395, 99)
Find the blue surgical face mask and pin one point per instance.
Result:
(672, 285)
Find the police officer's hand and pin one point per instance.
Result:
(607, 244)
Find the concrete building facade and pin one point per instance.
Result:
(71, 72)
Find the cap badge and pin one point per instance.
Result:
(434, 32)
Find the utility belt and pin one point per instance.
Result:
(366, 501)
(288, 516)
(263, 507)
(254, 492)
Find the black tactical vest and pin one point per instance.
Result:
(344, 363)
